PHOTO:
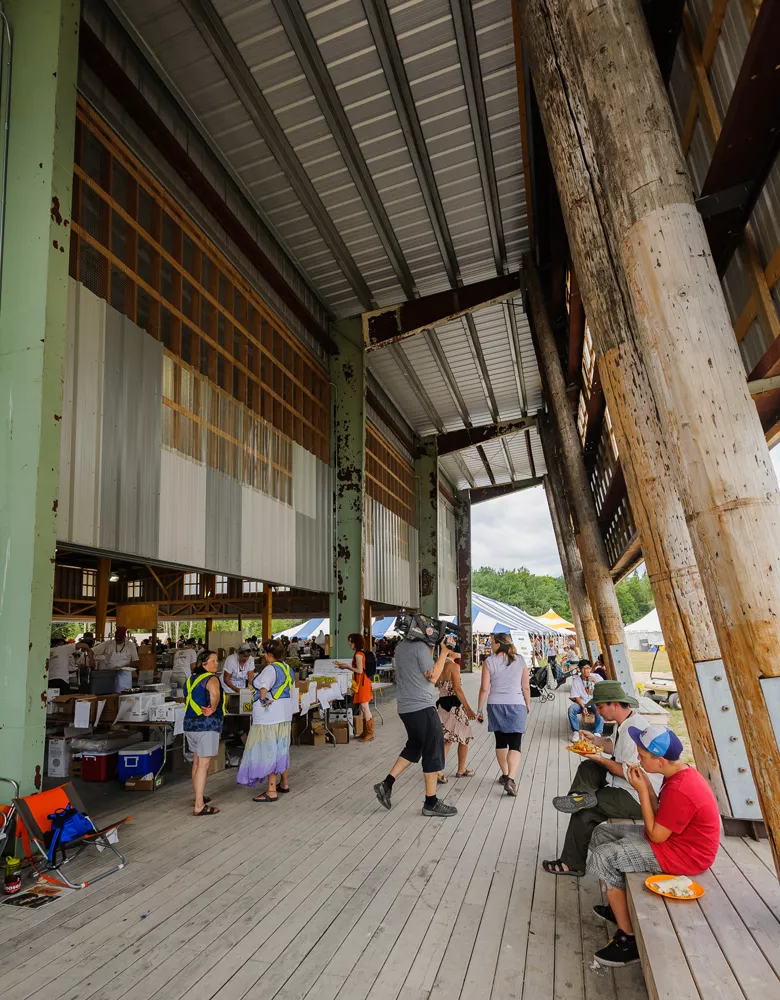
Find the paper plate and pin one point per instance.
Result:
(655, 882)
(582, 753)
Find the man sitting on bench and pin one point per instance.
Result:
(681, 834)
(600, 789)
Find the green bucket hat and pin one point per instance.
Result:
(606, 691)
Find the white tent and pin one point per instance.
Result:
(647, 628)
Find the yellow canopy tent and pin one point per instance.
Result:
(553, 620)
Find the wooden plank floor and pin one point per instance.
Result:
(328, 896)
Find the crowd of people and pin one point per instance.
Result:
(638, 776)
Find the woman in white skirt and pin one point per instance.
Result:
(455, 714)
(267, 751)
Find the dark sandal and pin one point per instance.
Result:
(206, 800)
(207, 811)
(442, 779)
(284, 791)
(556, 868)
(464, 774)
(265, 797)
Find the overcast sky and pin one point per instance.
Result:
(516, 531)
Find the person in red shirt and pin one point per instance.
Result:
(681, 834)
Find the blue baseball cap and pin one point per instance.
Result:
(657, 740)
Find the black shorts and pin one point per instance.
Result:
(425, 739)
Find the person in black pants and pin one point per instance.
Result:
(415, 678)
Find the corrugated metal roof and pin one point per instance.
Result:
(325, 141)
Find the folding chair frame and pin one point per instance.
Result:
(8, 813)
(34, 841)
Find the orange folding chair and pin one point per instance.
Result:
(7, 814)
(34, 814)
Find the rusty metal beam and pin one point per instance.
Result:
(749, 142)
(389, 325)
(482, 493)
(452, 441)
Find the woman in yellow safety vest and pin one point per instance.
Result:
(267, 751)
(204, 713)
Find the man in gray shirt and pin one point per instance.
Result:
(415, 677)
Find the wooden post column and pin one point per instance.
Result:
(101, 598)
(268, 596)
(426, 470)
(560, 510)
(718, 454)
(689, 633)
(463, 556)
(574, 599)
(589, 538)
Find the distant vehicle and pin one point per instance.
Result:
(661, 689)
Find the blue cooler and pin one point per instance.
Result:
(140, 759)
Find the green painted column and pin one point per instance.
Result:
(426, 470)
(33, 310)
(463, 554)
(348, 441)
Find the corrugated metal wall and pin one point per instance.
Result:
(390, 563)
(448, 559)
(122, 490)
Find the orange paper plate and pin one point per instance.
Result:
(655, 882)
(582, 753)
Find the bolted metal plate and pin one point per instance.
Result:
(734, 765)
(594, 649)
(770, 687)
(623, 668)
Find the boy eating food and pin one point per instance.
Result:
(681, 834)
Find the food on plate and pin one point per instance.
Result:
(679, 886)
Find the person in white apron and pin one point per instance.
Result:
(120, 654)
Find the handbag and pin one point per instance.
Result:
(448, 702)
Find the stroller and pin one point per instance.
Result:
(543, 683)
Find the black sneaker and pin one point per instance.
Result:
(575, 801)
(622, 950)
(503, 779)
(383, 794)
(440, 809)
(605, 913)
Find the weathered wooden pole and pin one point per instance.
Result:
(581, 612)
(689, 633)
(717, 449)
(589, 537)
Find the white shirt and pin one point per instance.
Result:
(183, 660)
(581, 689)
(280, 711)
(239, 673)
(61, 662)
(116, 654)
(625, 752)
(294, 648)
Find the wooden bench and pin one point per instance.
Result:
(724, 946)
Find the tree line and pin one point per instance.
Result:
(536, 594)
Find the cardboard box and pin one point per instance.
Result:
(315, 735)
(341, 731)
(180, 765)
(110, 708)
(135, 707)
(167, 712)
(74, 771)
(143, 784)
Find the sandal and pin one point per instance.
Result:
(503, 779)
(510, 786)
(206, 800)
(464, 774)
(442, 779)
(265, 797)
(283, 790)
(207, 811)
(556, 868)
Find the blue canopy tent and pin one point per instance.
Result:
(487, 616)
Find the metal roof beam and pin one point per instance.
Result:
(383, 33)
(95, 55)
(216, 36)
(749, 141)
(313, 65)
(480, 494)
(466, 39)
(453, 441)
(394, 323)
(484, 459)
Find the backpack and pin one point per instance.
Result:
(67, 825)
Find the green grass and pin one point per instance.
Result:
(642, 662)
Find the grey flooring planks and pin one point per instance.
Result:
(327, 896)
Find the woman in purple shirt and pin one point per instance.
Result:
(506, 689)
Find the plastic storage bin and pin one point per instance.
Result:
(99, 765)
(140, 759)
